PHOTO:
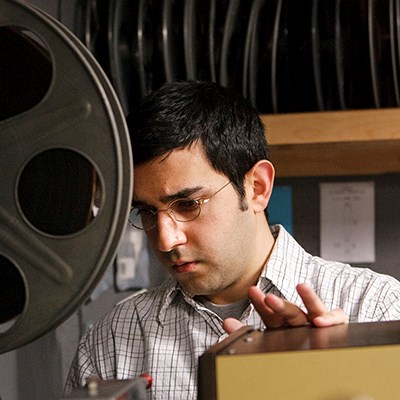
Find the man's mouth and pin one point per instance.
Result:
(184, 267)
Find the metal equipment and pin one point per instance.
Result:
(343, 362)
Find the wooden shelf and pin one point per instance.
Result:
(361, 142)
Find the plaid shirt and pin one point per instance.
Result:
(163, 332)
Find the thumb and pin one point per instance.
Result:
(231, 325)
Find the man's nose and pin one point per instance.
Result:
(170, 232)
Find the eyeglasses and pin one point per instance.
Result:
(182, 210)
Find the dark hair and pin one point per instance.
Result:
(182, 113)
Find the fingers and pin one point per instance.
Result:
(334, 317)
(270, 318)
(313, 303)
(289, 312)
(318, 314)
(231, 325)
(276, 312)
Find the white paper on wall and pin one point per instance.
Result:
(132, 261)
(348, 221)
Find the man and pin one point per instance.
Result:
(202, 182)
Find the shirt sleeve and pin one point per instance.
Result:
(82, 366)
(381, 300)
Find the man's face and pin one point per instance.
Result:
(214, 255)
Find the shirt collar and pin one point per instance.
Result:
(284, 265)
(173, 290)
(170, 288)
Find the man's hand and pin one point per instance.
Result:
(276, 312)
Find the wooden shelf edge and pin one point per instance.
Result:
(335, 143)
(336, 159)
(333, 126)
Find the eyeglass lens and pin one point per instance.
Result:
(182, 210)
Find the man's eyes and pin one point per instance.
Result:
(185, 204)
(177, 206)
(145, 210)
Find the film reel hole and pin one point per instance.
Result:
(59, 192)
(25, 70)
(12, 294)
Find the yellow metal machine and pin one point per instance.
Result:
(344, 362)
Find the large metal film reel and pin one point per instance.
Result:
(65, 174)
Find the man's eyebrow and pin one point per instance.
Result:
(187, 192)
(184, 193)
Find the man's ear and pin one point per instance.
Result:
(260, 181)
